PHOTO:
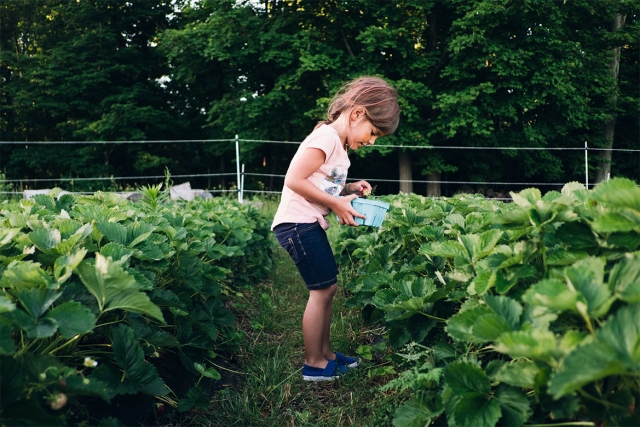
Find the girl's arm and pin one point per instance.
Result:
(297, 179)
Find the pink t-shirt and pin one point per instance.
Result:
(331, 178)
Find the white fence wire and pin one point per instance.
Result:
(240, 174)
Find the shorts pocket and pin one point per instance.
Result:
(291, 249)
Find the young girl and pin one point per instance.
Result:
(362, 111)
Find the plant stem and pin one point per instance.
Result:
(433, 317)
(25, 348)
(226, 369)
(53, 344)
(65, 344)
(280, 383)
(600, 401)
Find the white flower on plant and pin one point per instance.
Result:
(90, 363)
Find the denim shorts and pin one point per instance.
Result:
(309, 248)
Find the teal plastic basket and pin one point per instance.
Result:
(374, 210)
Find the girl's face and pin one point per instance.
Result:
(361, 132)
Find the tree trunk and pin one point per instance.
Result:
(604, 157)
(433, 188)
(404, 162)
(222, 177)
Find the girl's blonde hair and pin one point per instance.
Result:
(376, 96)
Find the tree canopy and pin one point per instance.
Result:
(533, 74)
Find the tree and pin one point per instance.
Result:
(85, 70)
(470, 73)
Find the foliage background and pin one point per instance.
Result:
(479, 73)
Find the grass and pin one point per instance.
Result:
(270, 391)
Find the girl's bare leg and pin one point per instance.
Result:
(326, 347)
(315, 328)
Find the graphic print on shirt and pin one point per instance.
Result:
(334, 183)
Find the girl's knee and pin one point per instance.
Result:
(324, 293)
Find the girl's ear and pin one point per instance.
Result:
(357, 113)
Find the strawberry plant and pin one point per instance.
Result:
(513, 313)
(100, 297)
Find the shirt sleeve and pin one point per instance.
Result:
(323, 141)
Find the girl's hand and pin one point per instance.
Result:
(345, 211)
(361, 188)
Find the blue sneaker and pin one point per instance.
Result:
(349, 362)
(330, 373)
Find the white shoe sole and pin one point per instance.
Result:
(318, 378)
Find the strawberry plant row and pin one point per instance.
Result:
(102, 297)
(506, 314)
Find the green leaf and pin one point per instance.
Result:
(612, 222)
(25, 275)
(624, 278)
(7, 345)
(504, 281)
(114, 288)
(113, 231)
(7, 235)
(77, 384)
(41, 328)
(477, 410)
(416, 413)
(588, 363)
(37, 300)
(506, 307)
(570, 189)
(618, 192)
(135, 302)
(207, 373)
(490, 326)
(535, 344)
(514, 405)
(64, 265)
(448, 249)
(45, 238)
(482, 282)
(559, 256)
(587, 277)
(615, 351)
(480, 245)
(384, 298)
(139, 232)
(552, 293)
(195, 398)
(526, 197)
(464, 377)
(116, 252)
(149, 251)
(519, 373)
(138, 375)
(622, 334)
(6, 305)
(576, 235)
(73, 318)
(364, 351)
(460, 326)
(381, 371)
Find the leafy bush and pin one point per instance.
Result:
(96, 291)
(508, 313)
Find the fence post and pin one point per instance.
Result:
(586, 165)
(242, 185)
(238, 169)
